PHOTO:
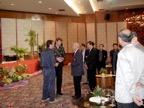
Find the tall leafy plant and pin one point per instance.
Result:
(20, 52)
(32, 40)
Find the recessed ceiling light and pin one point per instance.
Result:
(50, 8)
(40, 2)
(12, 4)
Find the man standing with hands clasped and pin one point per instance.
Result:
(48, 69)
(77, 70)
(129, 70)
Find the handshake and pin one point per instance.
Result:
(60, 59)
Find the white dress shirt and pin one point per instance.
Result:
(130, 67)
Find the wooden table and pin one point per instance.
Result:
(105, 80)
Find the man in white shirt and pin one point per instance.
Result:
(129, 70)
(138, 45)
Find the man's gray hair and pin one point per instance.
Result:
(126, 35)
(134, 34)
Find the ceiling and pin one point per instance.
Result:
(53, 6)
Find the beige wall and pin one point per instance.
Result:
(71, 29)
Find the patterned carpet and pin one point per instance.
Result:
(29, 96)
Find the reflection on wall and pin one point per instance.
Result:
(49, 30)
(61, 31)
(111, 35)
(72, 35)
(23, 28)
(101, 34)
(81, 33)
(91, 32)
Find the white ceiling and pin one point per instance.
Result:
(83, 5)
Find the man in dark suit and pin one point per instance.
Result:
(102, 57)
(77, 70)
(114, 56)
(91, 64)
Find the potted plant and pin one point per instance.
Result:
(103, 71)
(20, 52)
(98, 92)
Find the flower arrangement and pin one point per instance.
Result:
(103, 71)
(99, 92)
(15, 74)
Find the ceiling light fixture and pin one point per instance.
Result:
(12, 4)
(73, 6)
(40, 2)
(50, 8)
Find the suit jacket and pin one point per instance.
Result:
(129, 70)
(92, 59)
(77, 64)
(104, 55)
(86, 54)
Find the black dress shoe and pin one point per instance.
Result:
(59, 93)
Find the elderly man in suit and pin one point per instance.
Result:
(77, 70)
(129, 70)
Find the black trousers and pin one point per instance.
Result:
(101, 64)
(59, 77)
(91, 78)
(77, 85)
(128, 105)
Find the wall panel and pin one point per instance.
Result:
(111, 35)
(8, 35)
(49, 30)
(81, 33)
(72, 35)
(101, 34)
(91, 32)
(61, 31)
(23, 28)
(121, 25)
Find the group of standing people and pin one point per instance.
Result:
(127, 64)
(52, 59)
